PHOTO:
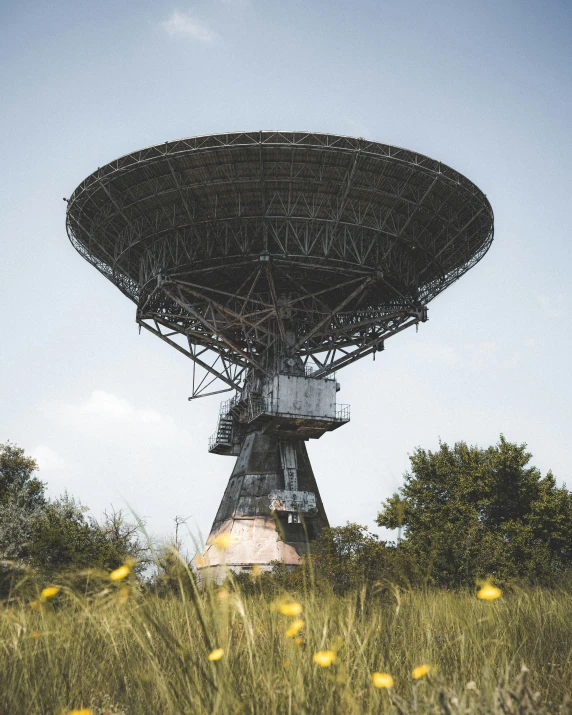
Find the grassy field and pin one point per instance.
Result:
(117, 650)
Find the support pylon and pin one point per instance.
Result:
(270, 511)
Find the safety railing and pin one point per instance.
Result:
(258, 405)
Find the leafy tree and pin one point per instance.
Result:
(16, 477)
(469, 512)
(346, 556)
(66, 538)
(52, 536)
(21, 499)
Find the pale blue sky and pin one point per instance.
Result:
(484, 86)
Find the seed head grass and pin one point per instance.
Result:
(110, 650)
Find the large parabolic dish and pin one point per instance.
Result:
(267, 253)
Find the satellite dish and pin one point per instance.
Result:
(272, 260)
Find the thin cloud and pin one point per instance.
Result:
(182, 24)
(552, 305)
(105, 405)
(48, 460)
(114, 418)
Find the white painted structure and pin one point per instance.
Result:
(301, 396)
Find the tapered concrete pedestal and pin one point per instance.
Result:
(249, 528)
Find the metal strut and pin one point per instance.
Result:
(289, 463)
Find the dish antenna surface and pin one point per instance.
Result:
(272, 260)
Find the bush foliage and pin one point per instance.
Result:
(468, 513)
(50, 537)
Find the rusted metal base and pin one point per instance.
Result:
(247, 531)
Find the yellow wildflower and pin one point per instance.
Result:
(35, 606)
(295, 628)
(489, 592)
(216, 654)
(224, 540)
(298, 640)
(49, 592)
(382, 680)
(420, 672)
(81, 711)
(324, 658)
(120, 573)
(290, 609)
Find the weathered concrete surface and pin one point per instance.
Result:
(252, 533)
(299, 395)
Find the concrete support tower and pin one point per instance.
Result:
(271, 507)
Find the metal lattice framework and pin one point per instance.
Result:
(242, 249)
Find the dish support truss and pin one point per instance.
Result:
(383, 229)
(227, 335)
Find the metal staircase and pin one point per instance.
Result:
(222, 442)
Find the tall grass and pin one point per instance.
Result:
(118, 650)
